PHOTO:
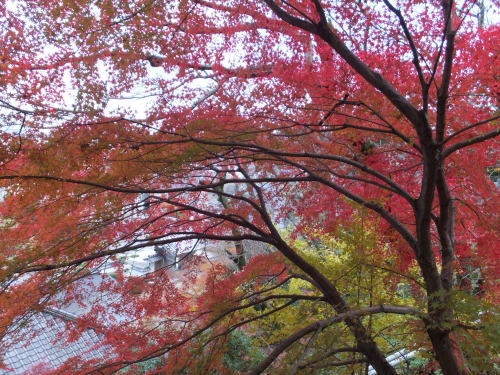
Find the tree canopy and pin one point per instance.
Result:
(354, 140)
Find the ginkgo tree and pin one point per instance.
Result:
(132, 124)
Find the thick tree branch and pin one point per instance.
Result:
(294, 21)
(332, 295)
(322, 29)
(127, 190)
(161, 351)
(441, 106)
(457, 146)
(309, 155)
(339, 363)
(446, 230)
(124, 249)
(472, 126)
(414, 51)
(322, 324)
(398, 226)
(329, 354)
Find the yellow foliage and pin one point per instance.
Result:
(352, 261)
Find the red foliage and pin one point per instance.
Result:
(128, 125)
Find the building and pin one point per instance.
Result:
(40, 341)
(42, 347)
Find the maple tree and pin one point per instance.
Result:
(132, 124)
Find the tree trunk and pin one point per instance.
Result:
(445, 351)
